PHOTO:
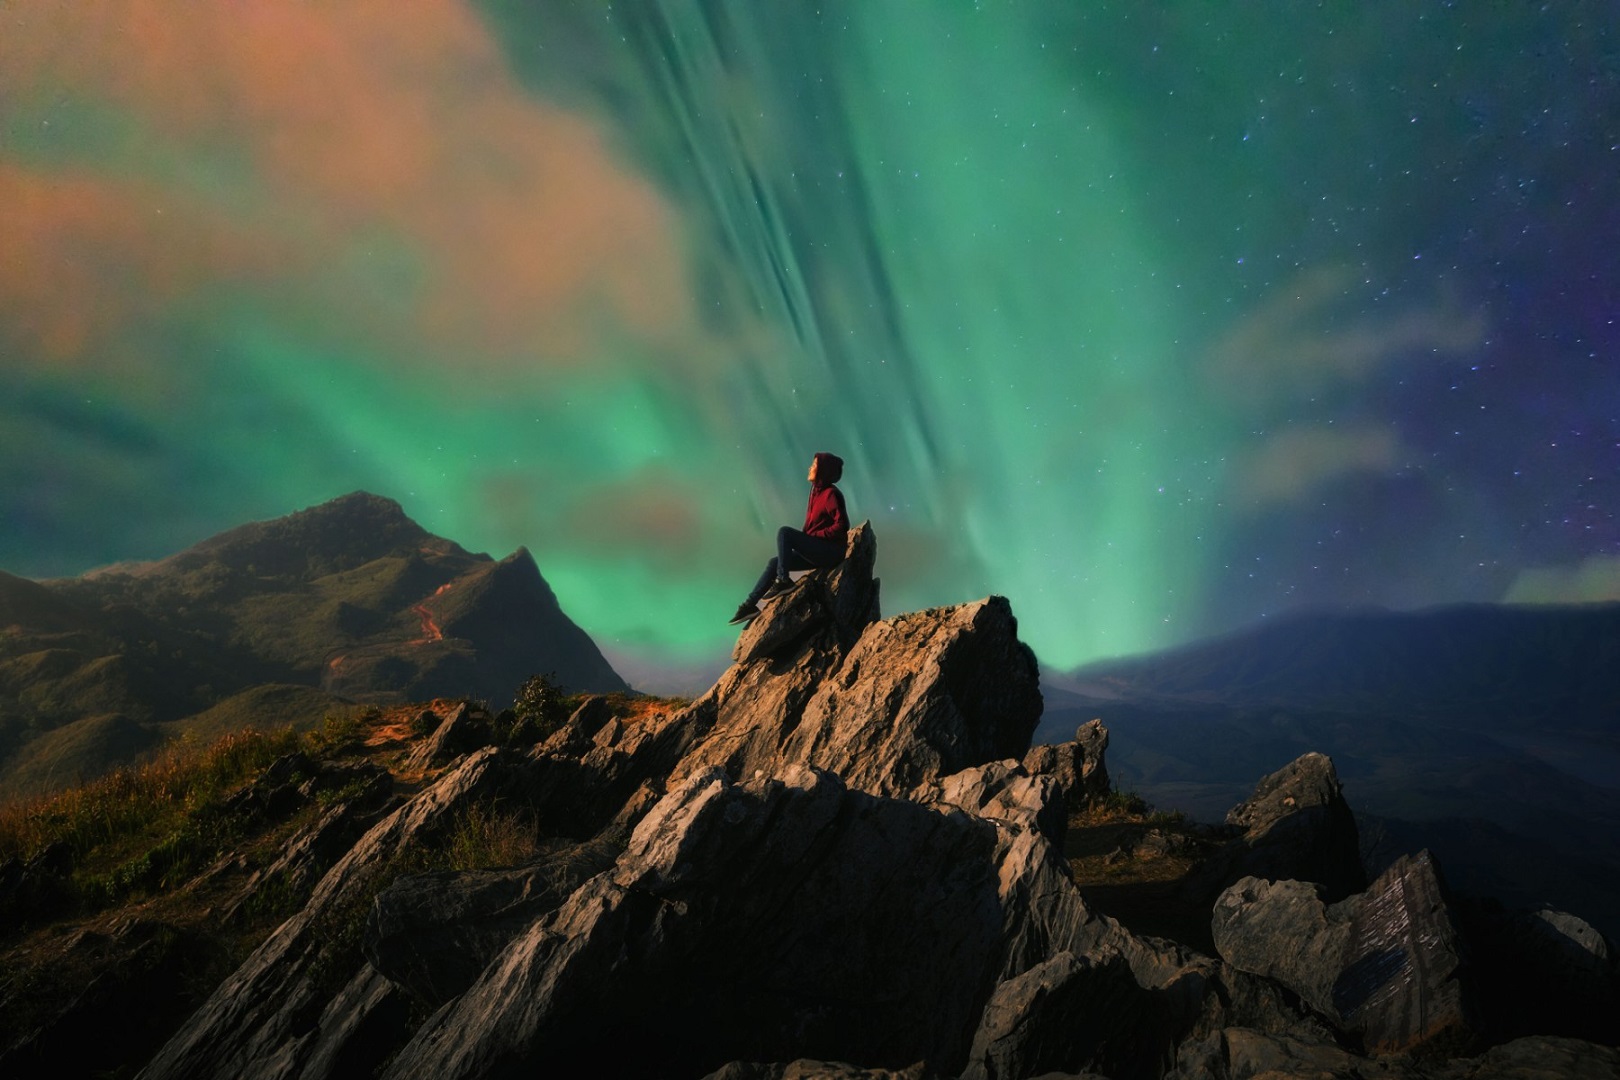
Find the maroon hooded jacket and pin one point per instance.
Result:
(824, 515)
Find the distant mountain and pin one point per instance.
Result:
(347, 601)
(1500, 723)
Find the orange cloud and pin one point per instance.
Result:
(84, 260)
(359, 123)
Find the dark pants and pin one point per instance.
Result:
(796, 551)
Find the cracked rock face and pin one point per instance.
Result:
(1385, 965)
(888, 704)
(763, 921)
(287, 1011)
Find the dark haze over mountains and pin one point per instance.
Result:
(1490, 733)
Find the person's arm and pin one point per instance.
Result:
(826, 517)
(840, 524)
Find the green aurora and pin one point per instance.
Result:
(1141, 315)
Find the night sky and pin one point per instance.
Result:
(1156, 318)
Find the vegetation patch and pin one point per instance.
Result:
(148, 829)
(482, 836)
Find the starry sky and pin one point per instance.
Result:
(1158, 319)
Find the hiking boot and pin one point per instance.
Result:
(778, 587)
(745, 613)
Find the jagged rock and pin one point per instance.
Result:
(264, 1021)
(921, 696)
(1297, 826)
(917, 697)
(1001, 791)
(805, 1069)
(274, 793)
(314, 849)
(837, 603)
(578, 733)
(1384, 965)
(434, 933)
(466, 729)
(144, 970)
(360, 782)
(1077, 765)
(356, 1031)
(1240, 1053)
(889, 705)
(1542, 972)
(747, 921)
(1065, 1014)
(760, 920)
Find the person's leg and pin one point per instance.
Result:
(796, 551)
(765, 581)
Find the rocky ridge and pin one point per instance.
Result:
(845, 861)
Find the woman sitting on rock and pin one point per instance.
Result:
(819, 544)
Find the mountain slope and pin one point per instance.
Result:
(1493, 664)
(350, 598)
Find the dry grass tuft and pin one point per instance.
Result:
(141, 798)
(486, 836)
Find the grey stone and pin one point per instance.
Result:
(466, 729)
(921, 696)
(1296, 826)
(762, 917)
(1070, 1013)
(1078, 765)
(1384, 965)
(434, 933)
(263, 1021)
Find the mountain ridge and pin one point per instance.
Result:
(1482, 717)
(349, 597)
(1290, 660)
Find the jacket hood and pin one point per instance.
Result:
(829, 469)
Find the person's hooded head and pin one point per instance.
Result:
(829, 468)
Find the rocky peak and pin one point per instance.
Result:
(887, 704)
(334, 536)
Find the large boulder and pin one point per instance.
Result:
(1296, 826)
(921, 696)
(1385, 966)
(1542, 972)
(464, 730)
